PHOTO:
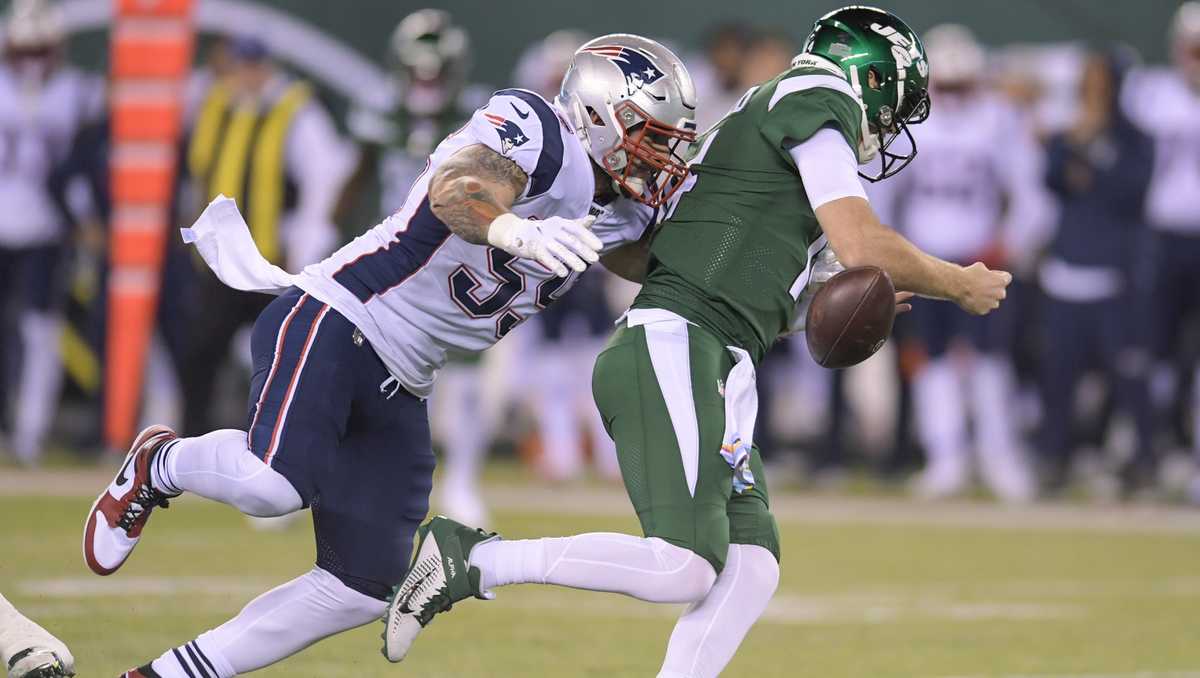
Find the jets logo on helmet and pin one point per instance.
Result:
(903, 49)
(637, 67)
(511, 136)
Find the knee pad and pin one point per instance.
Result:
(693, 576)
(761, 566)
(266, 494)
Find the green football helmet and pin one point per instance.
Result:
(885, 63)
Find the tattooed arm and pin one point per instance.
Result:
(472, 188)
(473, 192)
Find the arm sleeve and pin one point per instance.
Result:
(522, 127)
(828, 168)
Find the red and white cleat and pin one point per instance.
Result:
(115, 522)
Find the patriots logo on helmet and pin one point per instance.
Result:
(639, 70)
(511, 135)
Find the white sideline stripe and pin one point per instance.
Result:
(790, 508)
(788, 609)
(667, 341)
(1012, 593)
(81, 587)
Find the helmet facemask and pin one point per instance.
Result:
(648, 162)
(890, 123)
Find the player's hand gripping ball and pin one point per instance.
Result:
(851, 317)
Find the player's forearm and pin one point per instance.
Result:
(473, 187)
(855, 234)
(468, 206)
(910, 269)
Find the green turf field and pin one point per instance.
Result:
(863, 594)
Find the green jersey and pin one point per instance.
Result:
(732, 255)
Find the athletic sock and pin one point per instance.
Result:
(941, 418)
(273, 627)
(709, 632)
(188, 661)
(160, 477)
(39, 385)
(1002, 463)
(219, 466)
(647, 569)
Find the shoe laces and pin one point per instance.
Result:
(146, 500)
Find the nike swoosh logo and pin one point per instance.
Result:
(519, 113)
(405, 607)
(121, 479)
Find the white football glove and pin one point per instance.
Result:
(555, 243)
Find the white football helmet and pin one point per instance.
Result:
(633, 105)
(31, 25)
(1185, 41)
(959, 57)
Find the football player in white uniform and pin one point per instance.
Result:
(43, 104)
(28, 650)
(1165, 103)
(968, 199)
(496, 229)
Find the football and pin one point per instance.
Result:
(850, 317)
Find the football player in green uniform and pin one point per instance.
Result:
(773, 187)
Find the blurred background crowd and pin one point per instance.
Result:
(1074, 162)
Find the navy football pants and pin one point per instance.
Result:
(325, 413)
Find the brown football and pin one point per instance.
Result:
(851, 317)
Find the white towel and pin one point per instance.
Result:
(223, 239)
(741, 412)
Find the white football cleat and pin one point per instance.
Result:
(440, 575)
(40, 662)
(28, 650)
(115, 522)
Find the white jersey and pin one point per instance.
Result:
(976, 180)
(419, 293)
(38, 123)
(1160, 102)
